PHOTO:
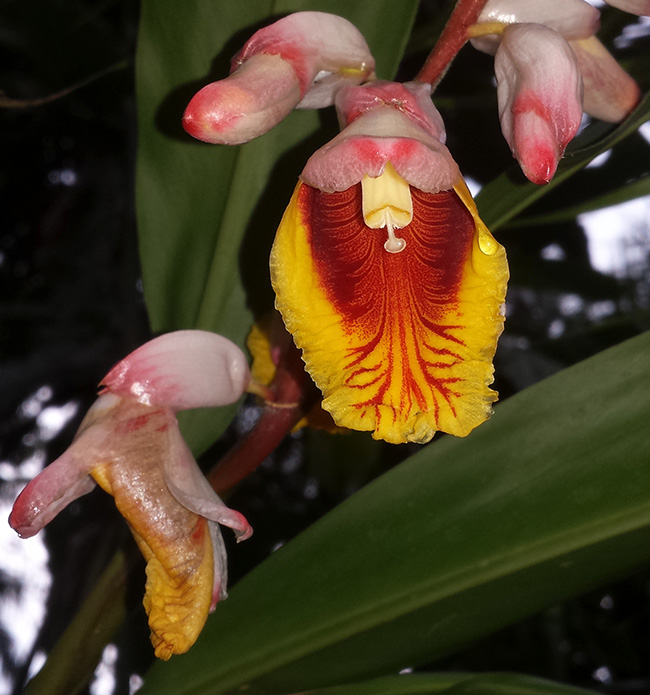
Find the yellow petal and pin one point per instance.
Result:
(401, 344)
(175, 542)
(259, 345)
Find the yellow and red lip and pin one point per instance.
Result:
(401, 343)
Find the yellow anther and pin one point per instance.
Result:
(485, 29)
(386, 202)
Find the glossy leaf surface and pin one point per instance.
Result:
(452, 683)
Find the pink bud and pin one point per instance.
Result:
(388, 122)
(300, 61)
(182, 370)
(539, 90)
(257, 96)
(610, 93)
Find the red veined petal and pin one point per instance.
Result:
(400, 344)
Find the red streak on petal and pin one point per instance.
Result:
(528, 101)
(198, 532)
(137, 423)
(393, 305)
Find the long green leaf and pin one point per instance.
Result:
(630, 191)
(548, 499)
(207, 214)
(500, 200)
(70, 665)
(453, 683)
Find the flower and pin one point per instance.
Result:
(398, 327)
(544, 50)
(300, 61)
(130, 445)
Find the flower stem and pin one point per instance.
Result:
(294, 395)
(453, 38)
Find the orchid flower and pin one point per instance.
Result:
(300, 61)
(130, 445)
(385, 275)
(544, 50)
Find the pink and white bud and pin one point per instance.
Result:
(300, 61)
(388, 122)
(182, 370)
(640, 7)
(256, 97)
(539, 90)
(573, 19)
(609, 92)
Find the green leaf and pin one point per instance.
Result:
(72, 661)
(456, 683)
(547, 500)
(500, 200)
(623, 194)
(206, 213)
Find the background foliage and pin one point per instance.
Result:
(427, 566)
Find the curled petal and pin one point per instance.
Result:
(67, 478)
(61, 483)
(399, 343)
(640, 7)
(539, 91)
(182, 370)
(189, 486)
(573, 19)
(610, 93)
(257, 96)
(325, 51)
(373, 139)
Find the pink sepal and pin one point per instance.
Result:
(378, 134)
(65, 479)
(182, 370)
(325, 51)
(191, 488)
(539, 91)
(610, 93)
(250, 102)
(640, 7)
(48, 494)
(574, 19)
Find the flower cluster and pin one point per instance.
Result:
(550, 67)
(398, 328)
(384, 274)
(130, 445)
